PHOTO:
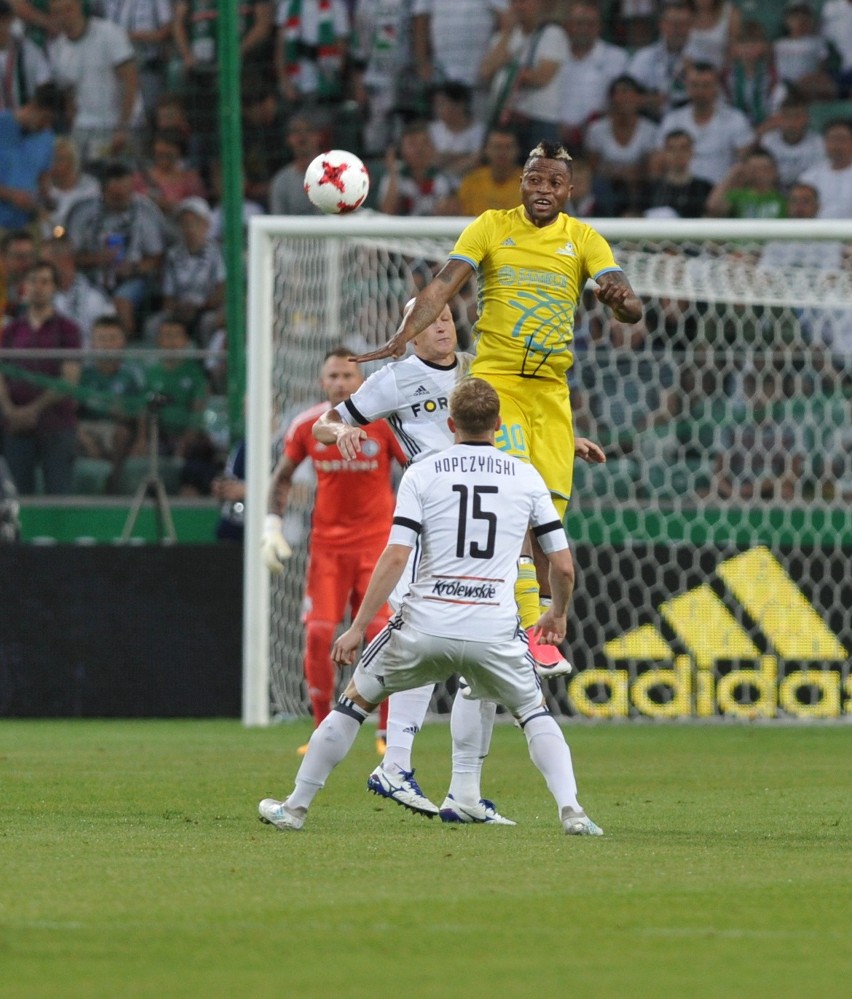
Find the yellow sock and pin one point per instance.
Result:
(526, 593)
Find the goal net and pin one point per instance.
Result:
(712, 548)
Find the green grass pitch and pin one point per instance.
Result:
(133, 865)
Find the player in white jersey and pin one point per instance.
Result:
(469, 508)
(412, 394)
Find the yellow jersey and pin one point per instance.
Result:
(530, 283)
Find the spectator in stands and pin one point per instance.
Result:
(456, 136)
(716, 27)
(522, 68)
(265, 135)
(719, 131)
(194, 273)
(195, 36)
(496, 184)
(592, 196)
(181, 385)
(166, 178)
(40, 423)
(588, 71)
(120, 238)
(661, 66)
(635, 23)
(24, 64)
(751, 79)
(287, 190)
(95, 58)
(832, 177)
(789, 137)
(17, 255)
(677, 191)
(310, 51)
(620, 144)
(836, 29)
(76, 296)
(229, 489)
(382, 61)
(26, 151)
(250, 208)
(148, 24)
(749, 190)
(450, 39)
(110, 401)
(66, 185)
(412, 183)
(801, 55)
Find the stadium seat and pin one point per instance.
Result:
(90, 476)
(822, 112)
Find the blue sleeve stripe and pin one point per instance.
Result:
(607, 270)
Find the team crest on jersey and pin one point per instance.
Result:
(370, 448)
(567, 250)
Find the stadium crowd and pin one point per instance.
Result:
(110, 167)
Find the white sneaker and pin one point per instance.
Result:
(578, 823)
(401, 787)
(276, 813)
(484, 812)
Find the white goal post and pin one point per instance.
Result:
(315, 282)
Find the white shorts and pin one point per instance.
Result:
(402, 658)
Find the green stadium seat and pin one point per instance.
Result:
(90, 476)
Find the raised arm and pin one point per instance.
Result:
(615, 292)
(427, 306)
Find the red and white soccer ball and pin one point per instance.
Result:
(337, 182)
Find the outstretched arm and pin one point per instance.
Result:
(428, 305)
(330, 429)
(614, 291)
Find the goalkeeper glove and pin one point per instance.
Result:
(274, 545)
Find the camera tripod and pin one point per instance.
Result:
(152, 484)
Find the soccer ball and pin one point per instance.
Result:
(337, 182)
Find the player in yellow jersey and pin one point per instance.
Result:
(533, 262)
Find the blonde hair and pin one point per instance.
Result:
(474, 406)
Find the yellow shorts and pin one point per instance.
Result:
(536, 426)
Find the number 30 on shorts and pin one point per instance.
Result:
(510, 438)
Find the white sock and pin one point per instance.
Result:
(329, 744)
(406, 711)
(471, 725)
(550, 753)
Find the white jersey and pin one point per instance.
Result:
(469, 508)
(413, 395)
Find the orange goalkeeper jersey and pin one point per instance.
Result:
(354, 500)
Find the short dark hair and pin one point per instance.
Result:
(43, 265)
(474, 406)
(16, 236)
(341, 351)
(49, 97)
(117, 170)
